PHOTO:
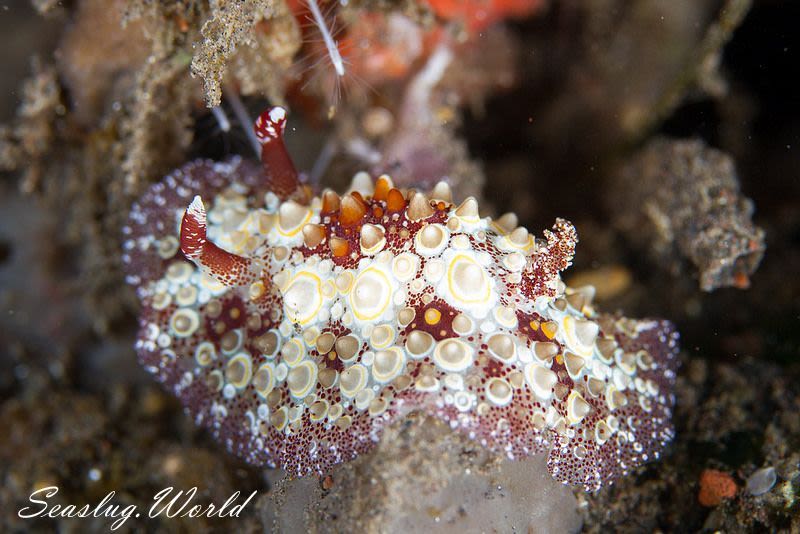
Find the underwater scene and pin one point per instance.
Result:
(393, 266)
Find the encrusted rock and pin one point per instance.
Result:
(682, 200)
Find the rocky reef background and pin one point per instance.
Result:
(667, 131)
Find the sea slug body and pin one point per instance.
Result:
(296, 327)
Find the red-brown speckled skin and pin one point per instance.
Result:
(314, 447)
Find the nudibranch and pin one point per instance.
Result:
(296, 327)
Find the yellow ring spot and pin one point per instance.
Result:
(433, 316)
(344, 282)
(293, 352)
(179, 272)
(302, 378)
(550, 328)
(498, 391)
(293, 231)
(161, 301)
(526, 247)
(186, 296)
(404, 266)
(303, 298)
(280, 418)
(382, 336)
(184, 322)
(239, 370)
(264, 379)
(388, 364)
(212, 284)
(205, 353)
(453, 355)
(318, 410)
(580, 335)
(371, 294)
(352, 380)
(498, 229)
(467, 280)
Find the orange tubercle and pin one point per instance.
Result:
(382, 187)
(339, 247)
(330, 202)
(352, 210)
(395, 200)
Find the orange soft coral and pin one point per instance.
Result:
(479, 14)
